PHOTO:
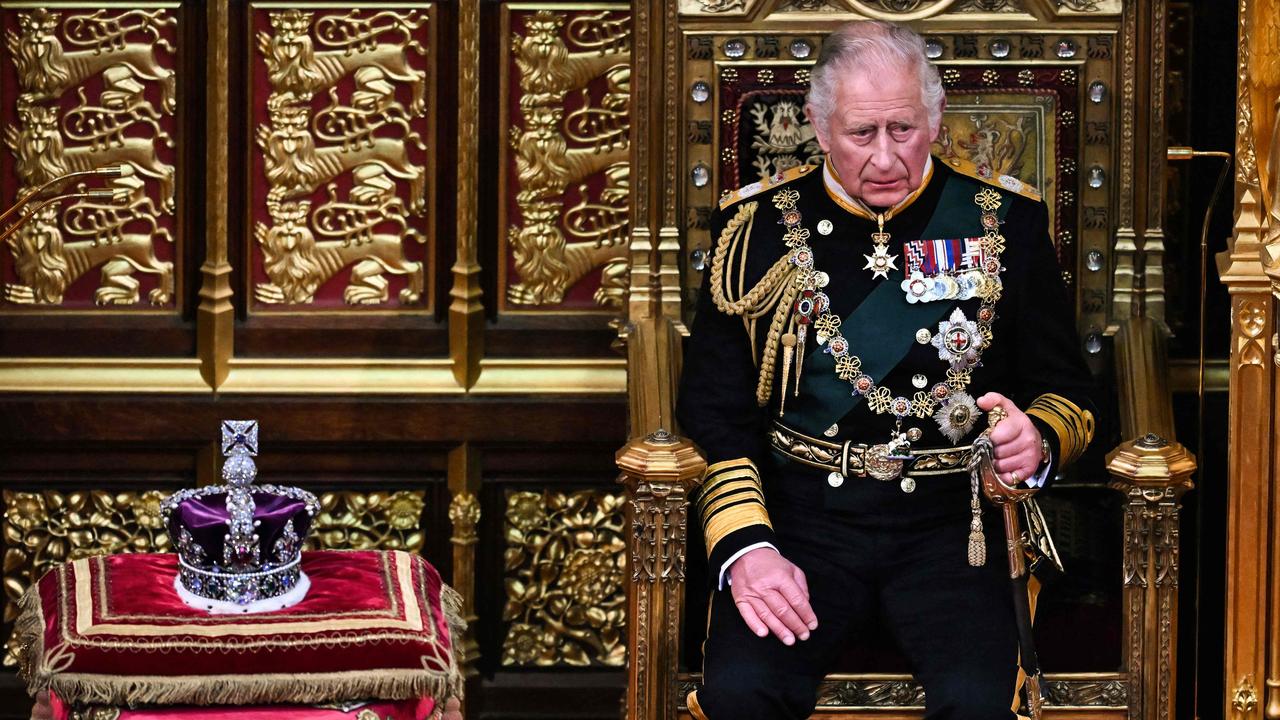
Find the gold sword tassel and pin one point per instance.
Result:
(788, 355)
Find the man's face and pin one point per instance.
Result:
(877, 135)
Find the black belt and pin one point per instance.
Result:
(861, 460)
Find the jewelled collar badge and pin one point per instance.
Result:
(240, 544)
(879, 262)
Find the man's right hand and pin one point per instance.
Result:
(772, 595)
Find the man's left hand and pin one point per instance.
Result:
(1016, 440)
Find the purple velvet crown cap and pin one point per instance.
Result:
(208, 521)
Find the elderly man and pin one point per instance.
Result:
(858, 320)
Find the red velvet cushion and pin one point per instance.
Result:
(388, 709)
(112, 630)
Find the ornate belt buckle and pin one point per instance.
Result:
(880, 463)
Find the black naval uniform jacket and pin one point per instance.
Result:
(1034, 357)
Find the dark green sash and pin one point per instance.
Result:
(883, 327)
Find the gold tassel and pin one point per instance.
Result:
(788, 354)
(977, 541)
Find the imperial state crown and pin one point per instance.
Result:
(240, 544)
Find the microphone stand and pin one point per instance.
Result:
(1178, 153)
(116, 195)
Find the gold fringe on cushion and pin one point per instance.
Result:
(28, 630)
(451, 602)
(295, 688)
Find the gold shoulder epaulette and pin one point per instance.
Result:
(772, 181)
(1006, 182)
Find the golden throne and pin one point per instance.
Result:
(1067, 96)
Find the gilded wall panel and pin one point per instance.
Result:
(564, 171)
(368, 520)
(82, 89)
(1031, 105)
(44, 529)
(565, 572)
(342, 120)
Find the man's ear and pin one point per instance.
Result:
(937, 127)
(819, 126)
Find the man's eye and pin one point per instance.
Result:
(863, 132)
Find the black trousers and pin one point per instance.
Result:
(953, 622)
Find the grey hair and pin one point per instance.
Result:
(872, 45)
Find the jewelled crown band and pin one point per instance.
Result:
(240, 544)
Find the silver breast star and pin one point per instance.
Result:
(880, 262)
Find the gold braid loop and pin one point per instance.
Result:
(739, 226)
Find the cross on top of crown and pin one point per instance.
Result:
(239, 437)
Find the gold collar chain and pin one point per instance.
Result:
(960, 342)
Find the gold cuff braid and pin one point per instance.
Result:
(1073, 425)
(731, 499)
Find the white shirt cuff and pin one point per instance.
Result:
(724, 569)
(1040, 477)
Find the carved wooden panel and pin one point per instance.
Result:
(83, 88)
(565, 572)
(341, 183)
(564, 171)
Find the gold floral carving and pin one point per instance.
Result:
(44, 529)
(565, 566)
(555, 246)
(990, 6)
(361, 521)
(719, 6)
(464, 513)
(365, 138)
(115, 51)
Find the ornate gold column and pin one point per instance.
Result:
(215, 316)
(1153, 474)
(1271, 263)
(466, 310)
(1251, 461)
(464, 516)
(652, 327)
(660, 471)
(1137, 306)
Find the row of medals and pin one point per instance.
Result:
(959, 341)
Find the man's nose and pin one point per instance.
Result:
(882, 155)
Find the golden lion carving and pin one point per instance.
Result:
(37, 144)
(47, 267)
(296, 167)
(294, 66)
(46, 70)
(547, 69)
(298, 265)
